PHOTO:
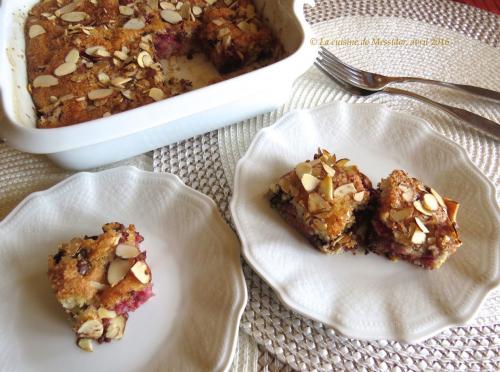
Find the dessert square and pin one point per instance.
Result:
(98, 280)
(413, 222)
(322, 198)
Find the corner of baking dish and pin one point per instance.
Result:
(17, 125)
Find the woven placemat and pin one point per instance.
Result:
(289, 340)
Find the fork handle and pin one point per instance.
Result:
(482, 92)
(476, 121)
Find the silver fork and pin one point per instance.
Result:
(375, 82)
(344, 79)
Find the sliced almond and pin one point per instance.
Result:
(218, 21)
(197, 10)
(452, 208)
(244, 26)
(103, 313)
(167, 5)
(45, 81)
(120, 81)
(398, 215)
(102, 53)
(65, 69)
(326, 188)
(316, 203)
(141, 272)
(438, 198)
(91, 328)
(127, 94)
(97, 285)
(418, 237)
(329, 170)
(342, 163)
(359, 196)
(153, 4)
(303, 168)
(86, 344)
(116, 328)
(103, 78)
(309, 182)
(171, 16)
(210, 2)
(120, 55)
(127, 251)
(144, 59)
(134, 24)
(418, 206)
(35, 30)
(430, 202)
(66, 9)
(408, 196)
(74, 17)
(117, 271)
(99, 93)
(344, 190)
(73, 56)
(185, 10)
(156, 94)
(421, 225)
(126, 10)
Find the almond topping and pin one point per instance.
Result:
(452, 208)
(303, 168)
(45, 81)
(103, 313)
(430, 202)
(418, 206)
(66, 9)
(144, 59)
(210, 2)
(398, 215)
(309, 182)
(126, 10)
(316, 203)
(326, 188)
(359, 196)
(197, 10)
(156, 94)
(86, 344)
(120, 81)
(218, 21)
(73, 56)
(74, 17)
(35, 30)
(171, 16)
(103, 78)
(185, 10)
(167, 5)
(65, 69)
(117, 271)
(438, 198)
(97, 285)
(91, 328)
(421, 225)
(99, 93)
(116, 328)
(141, 272)
(127, 251)
(408, 196)
(120, 55)
(134, 24)
(418, 237)
(329, 170)
(344, 190)
(342, 163)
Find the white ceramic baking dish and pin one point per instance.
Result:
(136, 131)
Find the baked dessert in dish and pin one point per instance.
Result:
(98, 280)
(88, 59)
(323, 198)
(413, 222)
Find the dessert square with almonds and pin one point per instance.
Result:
(413, 222)
(323, 198)
(88, 59)
(98, 280)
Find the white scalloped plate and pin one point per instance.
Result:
(192, 321)
(368, 296)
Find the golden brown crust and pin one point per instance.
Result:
(70, 99)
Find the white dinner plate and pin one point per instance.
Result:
(368, 296)
(190, 324)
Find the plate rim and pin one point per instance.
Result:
(233, 319)
(282, 293)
